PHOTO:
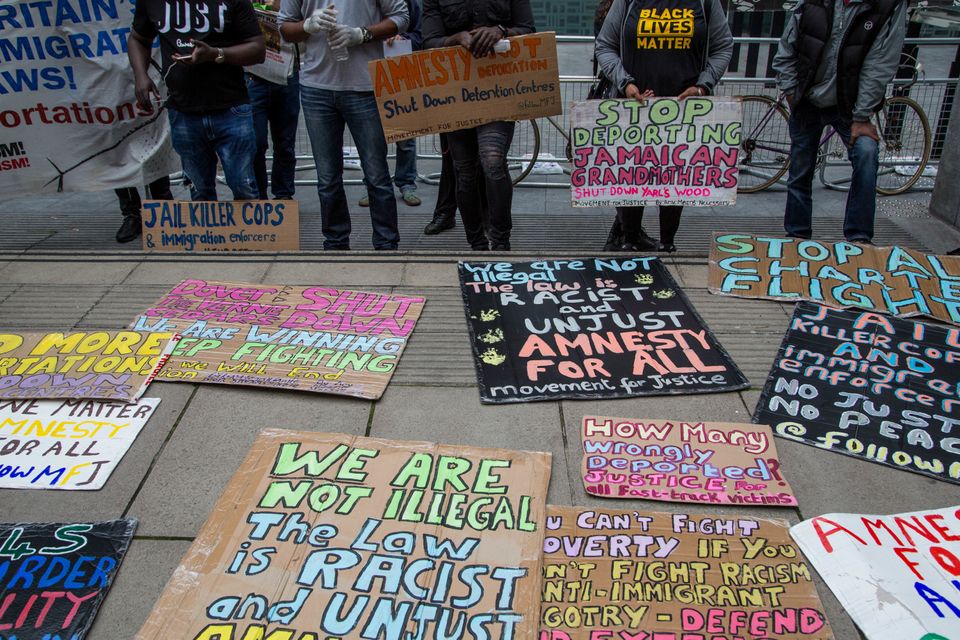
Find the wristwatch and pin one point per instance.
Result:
(367, 35)
(503, 30)
(220, 56)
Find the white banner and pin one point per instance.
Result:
(658, 151)
(68, 115)
(66, 444)
(897, 576)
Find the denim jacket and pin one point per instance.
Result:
(444, 18)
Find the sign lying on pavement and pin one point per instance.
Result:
(443, 90)
(676, 461)
(660, 151)
(316, 339)
(893, 280)
(629, 575)
(111, 365)
(336, 536)
(597, 328)
(868, 386)
(56, 576)
(895, 575)
(67, 444)
(242, 225)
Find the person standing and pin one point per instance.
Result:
(477, 25)
(336, 91)
(204, 45)
(833, 65)
(650, 48)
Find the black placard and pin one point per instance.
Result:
(54, 577)
(869, 386)
(588, 328)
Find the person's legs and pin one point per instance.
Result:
(493, 142)
(635, 238)
(129, 199)
(193, 141)
(236, 143)
(466, 168)
(806, 127)
(445, 211)
(669, 224)
(284, 118)
(325, 129)
(864, 155)
(259, 91)
(160, 189)
(405, 174)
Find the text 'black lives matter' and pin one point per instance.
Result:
(869, 386)
(588, 328)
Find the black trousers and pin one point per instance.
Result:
(129, 197)
(631, 221)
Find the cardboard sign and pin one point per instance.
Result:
(676, 461)
(895, 575)
(592, 328)
(280, 56)
(67, 444)
(112, 365)
(443, 90)
(336, 536)
(893, 280)
(56, 576)
(644, 575)
(657, 151)
(241, 225)
(316, 339)
(868, 386)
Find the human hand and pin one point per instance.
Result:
(321, 20)
(461, 39)
(483, 39)
(344, 36)
(202, 52)
(146, 91)
(691, 92)
(867, 129)
(634, 93)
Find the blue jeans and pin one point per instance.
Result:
(200, 138)
(326, 112)
(806, 127)
(278, 106)
(405, 174)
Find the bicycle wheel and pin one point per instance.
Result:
(905, 145)
(524, 150)
(765, 144)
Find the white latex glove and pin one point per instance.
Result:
(321, 20)
(345, 36)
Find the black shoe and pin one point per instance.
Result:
(615, 237)
(440, 222)
(641, 243)
(130, 229)
(480, 247)
(667, 247)
(500, 246)
(861, 241)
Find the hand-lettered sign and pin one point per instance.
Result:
(893, 280)
(895, 575)
(676, 461)
(336, 536)
(67, 444)
(592, 328)
(56, 576)
(316, 339)
(660, 151)
(630, 575)
(868, 386)
(111, 365)
(243, 225)
(442, 90)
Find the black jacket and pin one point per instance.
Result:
(444, 18)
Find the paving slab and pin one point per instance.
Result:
(44, 307)
(30, 271)
(212, 439)
(430, 274)
(374, 274)
(455, 416)
(141, 579)
(35, 505)
(174, 271)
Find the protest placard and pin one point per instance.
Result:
(242, 225)
(68, 115)
(337, 536)
(56, 576)
(67, 444)
(644, 575)
(677, 461)
(660, 151)
(280, 56)
(868, 386)
(893, 280)
(896, 575)
(316, 339)
(111, 365)
(592, 328)
(443, 90)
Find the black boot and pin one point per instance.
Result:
(639, 241)
(440, 222)
(615, 237)
(130, 229)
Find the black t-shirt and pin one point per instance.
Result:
(218, 23)
(666, 44)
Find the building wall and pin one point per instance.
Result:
(566, 17)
